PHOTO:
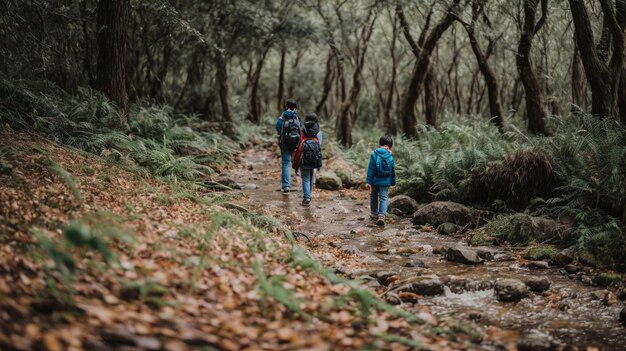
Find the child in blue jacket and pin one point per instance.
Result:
(381, 175)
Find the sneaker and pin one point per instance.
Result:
(286, 191)
(306, 202)
(381, 220)
(373, 218)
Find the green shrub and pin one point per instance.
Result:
(579, 173)
(160, 143)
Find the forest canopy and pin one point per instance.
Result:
(392, 64)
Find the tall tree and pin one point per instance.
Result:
(422, 50)
(223, 86)
(603, 73)
(495, 110)
(388, 121)
(112, 18)
(535, 109)
(579, 94)
(344, 133)
(280, 95)
(327, 84)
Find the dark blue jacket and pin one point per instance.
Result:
(372, 179)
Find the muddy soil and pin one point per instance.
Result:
(341, 235)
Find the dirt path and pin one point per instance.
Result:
(341, 236)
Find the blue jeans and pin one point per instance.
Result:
(285, 156)
(307, 182)
(379, 197)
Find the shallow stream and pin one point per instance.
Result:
(568, 312)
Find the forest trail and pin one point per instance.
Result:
(338, 232)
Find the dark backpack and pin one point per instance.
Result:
(384, 166)
(311, 153)
(290, 132)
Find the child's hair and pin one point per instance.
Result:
(291, 104)
(310, 117)
(386, 140)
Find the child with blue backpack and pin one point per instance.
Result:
(308, 156)
(289, 128)
(381, 176)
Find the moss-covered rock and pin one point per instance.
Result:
(328, 181)
(481, 238)
(448, 228)
(402, 205)
(541, 252)
(587, 258)
(438, 212)
(522, 229)
(608, 279)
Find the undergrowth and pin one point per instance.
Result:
(578, 174)
(154, 140)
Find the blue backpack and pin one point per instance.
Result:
(384, 166)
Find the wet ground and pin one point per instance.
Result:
(341, 236)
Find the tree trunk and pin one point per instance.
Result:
(495, 110)
(345, 121)
(622, 97)
(327, 84)
(280, 96)
(112, 38)
(223, 87)
(535, 110)
(156, 85)
(87, 60)
(579, 95)
(388, 122)
(412, 93)
(430, 110)
(255, 108)
(603, 77)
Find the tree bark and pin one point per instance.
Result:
(280, 96)
(603, 73)
(579, 95)
(255, 109)
(223, 86)
(412, 93)
(112, 19)
(388, 121)
(495, 109)
(535, 109)
(345, 121)
(327, 84)
(430, 110)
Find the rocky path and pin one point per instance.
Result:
(515, 303)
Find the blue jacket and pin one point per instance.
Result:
(279, 122)
(372, 179)
(289, 113)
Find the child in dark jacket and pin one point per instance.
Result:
(308, 156)
(381, 175)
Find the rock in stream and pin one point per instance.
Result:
(402, 205)
(463, 255)
(510, 290)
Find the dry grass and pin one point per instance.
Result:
(516, 181)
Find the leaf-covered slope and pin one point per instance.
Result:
(96, 257)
